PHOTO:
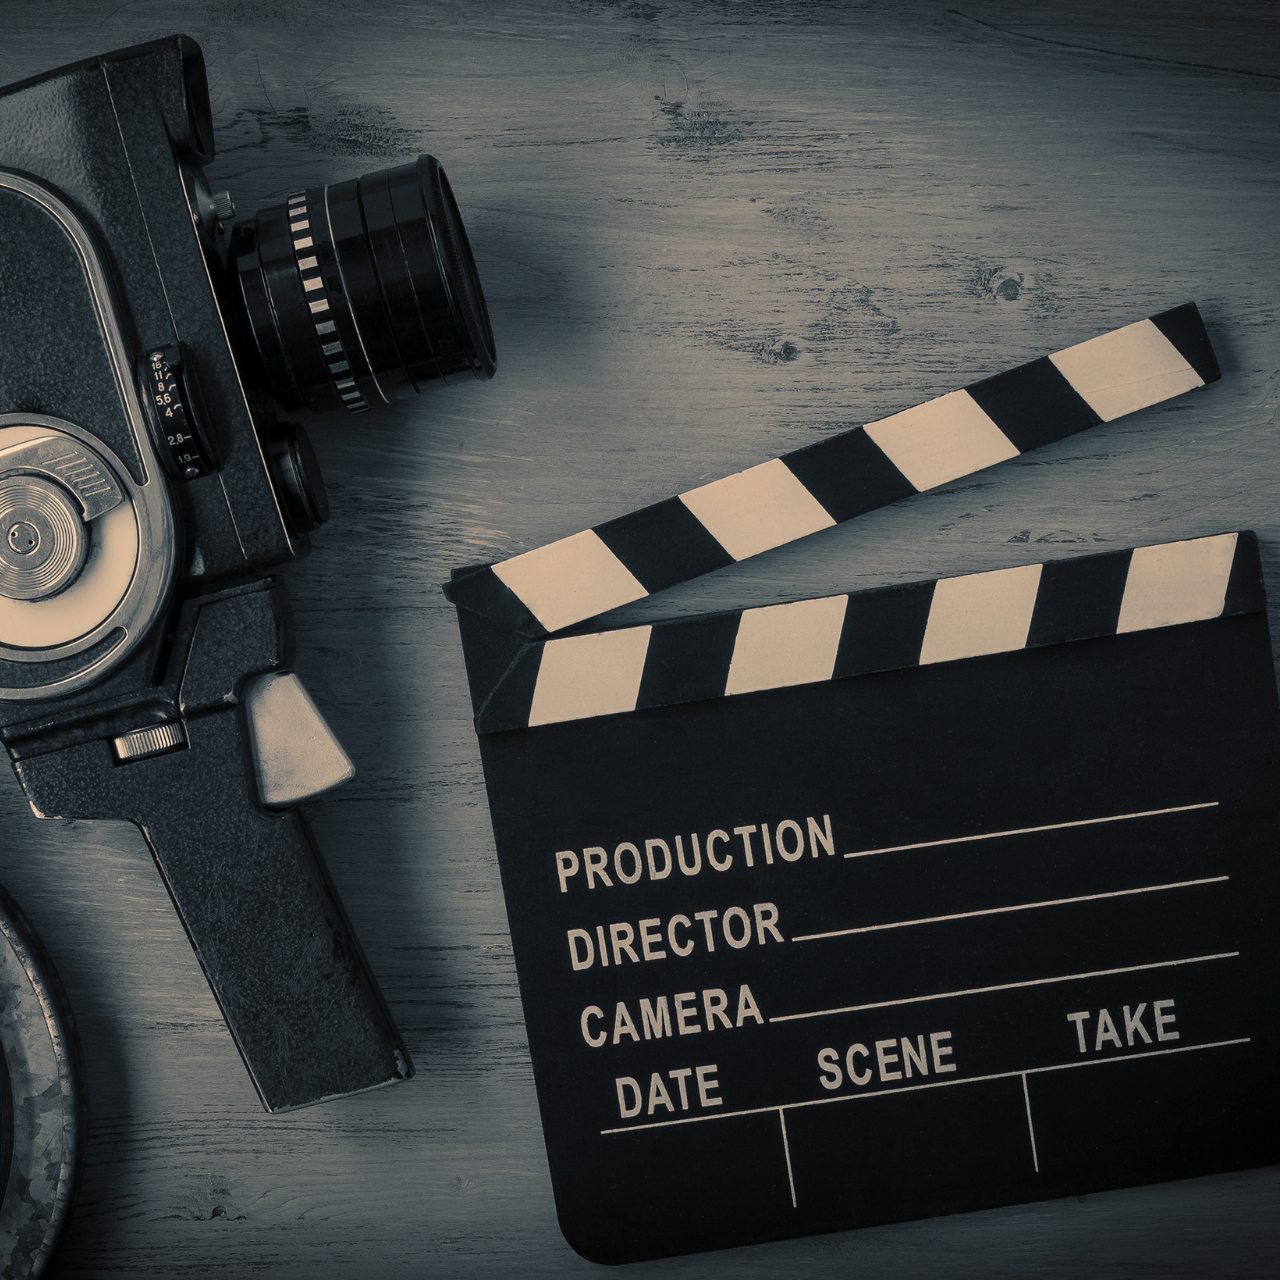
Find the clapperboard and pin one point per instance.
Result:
(912, 901)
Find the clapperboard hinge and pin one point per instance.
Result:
(576, 578)
(715, 655)
(522, 674)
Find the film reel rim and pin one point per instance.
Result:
(61, 1140)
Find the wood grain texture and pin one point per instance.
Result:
(709, 233)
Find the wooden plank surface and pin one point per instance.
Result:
(709, 233)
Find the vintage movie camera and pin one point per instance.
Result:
(148, 486)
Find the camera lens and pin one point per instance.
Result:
(358, 292)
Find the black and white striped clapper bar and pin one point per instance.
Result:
(856, 471)
(903, 902)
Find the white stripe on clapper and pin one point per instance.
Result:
(1126, 370)
(757, 509)
(569, 580)
(1177, 582)
(786, 644)
(941, 440)
(592, 675)
(980, 613)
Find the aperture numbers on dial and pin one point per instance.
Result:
(171, 401)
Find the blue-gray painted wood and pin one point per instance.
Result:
(708, 235)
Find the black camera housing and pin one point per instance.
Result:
(123, 328)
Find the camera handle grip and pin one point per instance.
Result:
(255, 899)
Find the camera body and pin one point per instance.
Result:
(148, 486)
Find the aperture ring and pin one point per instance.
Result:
(308, 261)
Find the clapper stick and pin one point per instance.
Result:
(851, 909)
(578, 677)
(776, 502)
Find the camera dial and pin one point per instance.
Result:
(51, 487)
(74, 531)
(45, 541)
(68, 539)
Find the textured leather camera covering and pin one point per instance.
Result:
(249, 885)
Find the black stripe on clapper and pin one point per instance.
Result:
(849, 474)
(1246, 592)
(502, 671)
(663, 544)
(480, 590)
(1033, 404)
(1079, 598)
(688, 659)
(1185, 329)
(883, 629)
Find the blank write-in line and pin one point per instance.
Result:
(1024, 831)
(1002, 986)
(1021, 906)
(1031, 1129)
(786, 1151)
(933, 1084)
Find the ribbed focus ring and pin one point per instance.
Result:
(364, 290)
(319, 307)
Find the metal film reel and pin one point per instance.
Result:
(42, 1111)
(88, 552)
(77, 537)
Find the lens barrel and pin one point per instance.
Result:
(359, 292)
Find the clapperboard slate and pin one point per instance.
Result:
(907, 902)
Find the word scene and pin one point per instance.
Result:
(893, 1059)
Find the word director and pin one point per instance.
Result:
(682, 936)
